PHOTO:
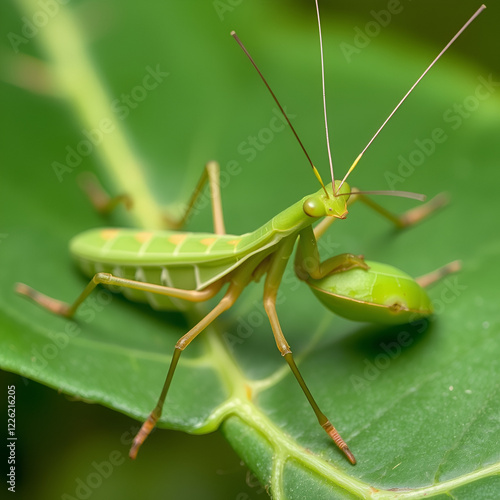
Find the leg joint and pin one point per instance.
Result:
(103, 278)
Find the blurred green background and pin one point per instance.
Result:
(210, 102)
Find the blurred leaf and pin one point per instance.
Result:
(417, 404)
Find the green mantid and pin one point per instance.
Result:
(171, 269)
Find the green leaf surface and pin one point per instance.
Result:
(418, 404)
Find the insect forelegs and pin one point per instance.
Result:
(308, 263)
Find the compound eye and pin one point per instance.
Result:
(313, 208)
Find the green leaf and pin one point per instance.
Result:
(417, 403)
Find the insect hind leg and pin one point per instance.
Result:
(68, 310)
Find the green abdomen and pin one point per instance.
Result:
(190, 261)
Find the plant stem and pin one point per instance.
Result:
(75, 75)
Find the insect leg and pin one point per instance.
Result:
(68, 310)
(271, 286)
(321, 228)
(431, 278)
(99, 198)
(308, 263)
(409, 218)
(406, 219)
(211, 173)
(104, 203)
(226, 302)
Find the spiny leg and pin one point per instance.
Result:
(271, 286)
(226, 302)
(211, 173)
(100, 199)
(408, 218)
(68, 310)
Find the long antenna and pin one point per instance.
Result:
(324, 96)
(398, 194)
(464, 27)
(315, 170)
